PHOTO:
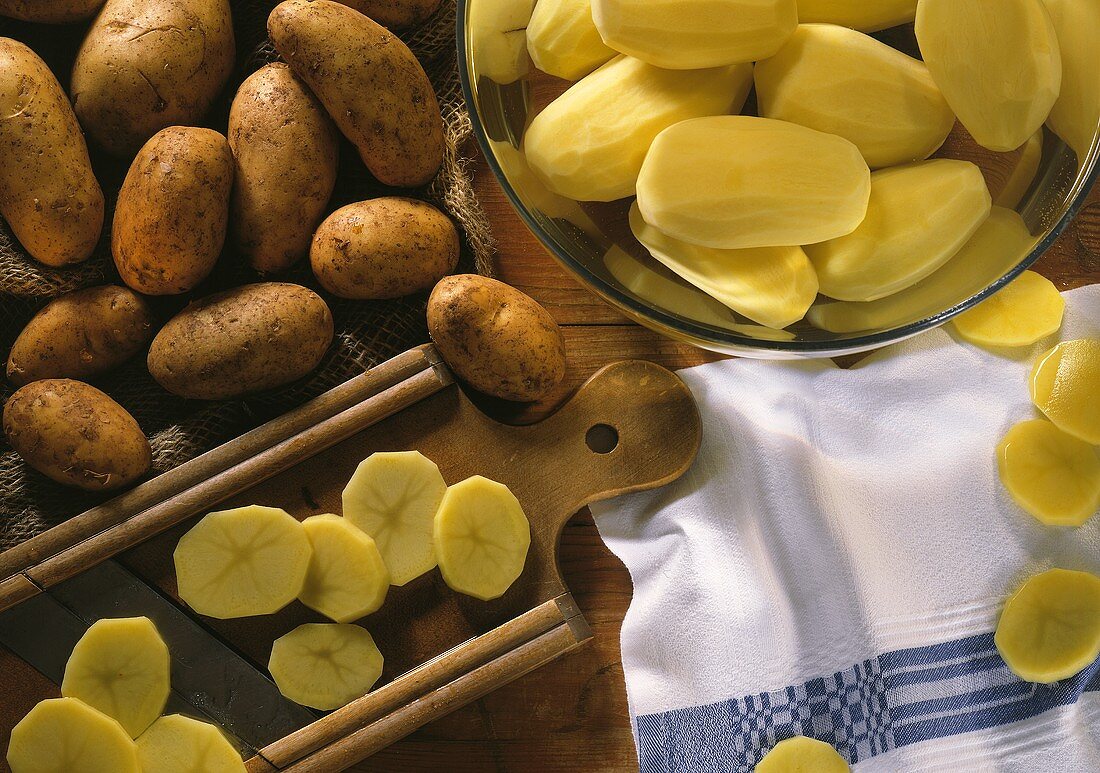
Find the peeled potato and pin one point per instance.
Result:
(589, 143)
(1050, 629)
(394, 497)
(771, 285)
(1065, 385)
(481, 538)
(994, 249)
(737, 182)
(64, 735)
(997, 62)
(178, 744)
(843, 82)
(563, 40)
(497, 34)
(122, 668)
(1027, 310)
(325, 666)
(347, 578)
(802, 755)
(1076, 114)
(863, 15)
(243, 562)
(918, 218)
(693, 34)
(1052, 475)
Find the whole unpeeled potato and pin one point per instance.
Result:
(496, 338)
(81, 335)
(76, 435)
(370, 83)
(50, 11)
(286, 151)
(395, 14)
(384, 248)
(244, 340)
(173, 210)
(48, 192)
(149, 65)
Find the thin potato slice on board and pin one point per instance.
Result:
(1053, 476)
(802, 755)
(325, 666)
(242, 562)
(1027, 310)
(178, 744)
(122, 668)
(1050, 629)
(1065, 385)
(347, 577)
(481, 538)
(393, 497)
(65, 735)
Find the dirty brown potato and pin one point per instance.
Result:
(173, 211)
(496, 338)
(395, 14)
(286, 150)
(81, 335)
(369, 82)
(76, 435)
(50, 11)
(384, 248)
(149, 65)
(245, 340)
(48, 192)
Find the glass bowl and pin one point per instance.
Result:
(594, 243)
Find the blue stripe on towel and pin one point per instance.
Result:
(894, 700)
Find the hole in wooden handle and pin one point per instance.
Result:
(602, 438)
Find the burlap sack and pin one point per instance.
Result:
(366, 332)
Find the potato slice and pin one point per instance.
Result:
(122, 668)
(481, 538)
(802, 755)
(737, 182)
(1052, 475)
(1027, 310)
(1065, 385)
(563, 40)
(178, 744)
(65, 735)
(1050, 629)
(243, 562)
(997, 63)
(325, 666)
(1077, 112)
(393, 497)
(918, 218)
(862, 15)
(771, 285)
(347, 577)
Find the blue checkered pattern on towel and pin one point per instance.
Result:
(894, 700)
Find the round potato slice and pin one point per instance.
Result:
(122, 668)
(1027, 310)
(1052, 475)
(178, 744)
(481, 538)
(1050, 629)
(347, 578)
(393, 497)
(64, 735)
(325, 666)
(802, 755)
(243, 562)
(1065, 383)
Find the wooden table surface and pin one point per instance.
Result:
(572, 715)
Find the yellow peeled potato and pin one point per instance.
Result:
(498, 38)
(843, 82)
(693, 34)
(735, 182)
(773, 286)
(862, 15)
(347, 578)
(1027, 310)
(65, 735)
(997, 62)
(563, 40)
(1050, 629)
(179, 744)
(1052, 475)
(918, 218)
(1065, 386)
(802, 755)
(325, 666)
(1076, 113)
(589, 143)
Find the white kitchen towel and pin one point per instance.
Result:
(834, 564)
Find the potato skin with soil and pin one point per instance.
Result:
(50, 11)
(395, 14)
